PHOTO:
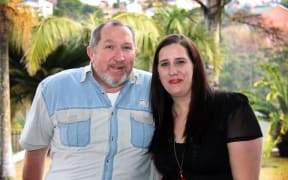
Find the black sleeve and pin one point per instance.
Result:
(241, 124)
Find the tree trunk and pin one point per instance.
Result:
(6, 162)
(213, 18)
(213, 22)
(212, 12)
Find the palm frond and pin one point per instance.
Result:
(47, 36)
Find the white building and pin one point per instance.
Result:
(43, 7)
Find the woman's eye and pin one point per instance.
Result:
(179, 62)
(164, 64)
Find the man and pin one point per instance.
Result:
(96, 120)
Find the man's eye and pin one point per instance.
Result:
(108, 47)
(127, 47)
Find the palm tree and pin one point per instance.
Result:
(47, 35)
(176, 20)
(14, 21)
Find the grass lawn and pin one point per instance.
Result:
(274, 168)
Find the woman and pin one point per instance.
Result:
(199, 133)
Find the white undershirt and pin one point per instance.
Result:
(113, 97)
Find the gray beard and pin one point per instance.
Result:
(108, 80)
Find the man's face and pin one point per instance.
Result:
(113, 57)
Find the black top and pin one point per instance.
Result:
(232, 119)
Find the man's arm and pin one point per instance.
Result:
(34, 164)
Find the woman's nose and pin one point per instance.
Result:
(172, 70)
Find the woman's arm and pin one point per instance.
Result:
(245, 159)
(34, 164)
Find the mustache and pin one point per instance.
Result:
(118, 64)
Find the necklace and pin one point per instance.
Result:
(179, 163)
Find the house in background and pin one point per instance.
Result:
(275, 20)
(270, 18)
(276, 17)
(44, 8)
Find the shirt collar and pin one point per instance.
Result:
(87, 69)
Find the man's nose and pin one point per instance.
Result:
(119, 54)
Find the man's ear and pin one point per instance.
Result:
(89, 52)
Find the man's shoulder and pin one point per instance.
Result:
(63, 77)
(141, 77)
(142, 72)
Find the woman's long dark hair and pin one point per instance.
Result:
(162, 102)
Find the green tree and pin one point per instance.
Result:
(241, 55)
(278, 97)
(274, 106)
(74, 9)
(68, 8)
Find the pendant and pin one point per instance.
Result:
(181, 174)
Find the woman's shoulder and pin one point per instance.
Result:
(225, 101)
(220, 96)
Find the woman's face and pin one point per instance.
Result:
(175, 70)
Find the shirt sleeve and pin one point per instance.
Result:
(242, 124)
(38, 127)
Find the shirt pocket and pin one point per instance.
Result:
(75, 134)
(142, 129)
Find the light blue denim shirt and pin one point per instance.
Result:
(90, 139)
